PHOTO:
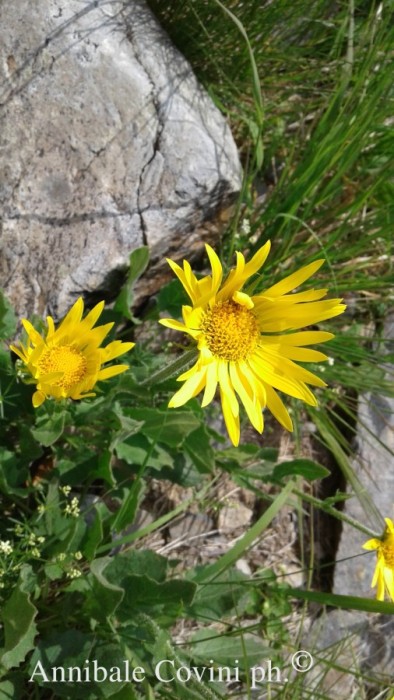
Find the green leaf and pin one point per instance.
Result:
(345, 602)
(7, 318)
(228, 595)
(49, 429)
(13, 474)
(197, 445)
(164, 601)
(224, 649)
(166, 425)
(106, 596)
(10, 690)
(138, 263)
(127, 427)
(171, 298)
(300, 467)
(126, 513)
(18, 615)
(93, 535)
(137, 562)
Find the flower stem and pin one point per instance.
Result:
(336, 513)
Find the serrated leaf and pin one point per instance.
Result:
(18, 615)
(301, 467)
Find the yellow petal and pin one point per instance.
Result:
(372, 544)
(190, 388)
(217, 269)
(210, 383)
(292, 281)
(115, 349)
(252, 406)
(182, 277)
(258, 260)
(300, 338)
(34, 336)
(231, 420)
(38, 398)
(108, 372)
(93, 315)
(72, 318)
(226, 388)
(301, 354)
(264, 370)
(22, 354)
(278, 409)
(243, 300)
(390, 525)
(388, 576)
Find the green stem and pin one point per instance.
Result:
(336, 513)
(181, 363)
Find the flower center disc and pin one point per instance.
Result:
(231, 331)
(387, 549)
(66, 359)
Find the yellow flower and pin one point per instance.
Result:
(384, 572)
(68, 361)
(244, 342)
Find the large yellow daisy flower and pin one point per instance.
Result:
(68, 361)
(244, 342)
(384, 572)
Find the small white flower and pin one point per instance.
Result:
(331, 361)
(65, 489)
(74, 573)
(6, 547)
(245, 226)
(78, 555)
(73, 508)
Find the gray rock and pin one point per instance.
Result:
(107, 143)
(374, 468)
(350, 649)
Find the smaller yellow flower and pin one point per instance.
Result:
(384, 571)
(67, 362)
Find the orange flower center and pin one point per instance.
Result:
(66, 359)
(231, 331)
(387, 550)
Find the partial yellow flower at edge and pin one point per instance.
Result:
(384, 572)
(249, 344)
(68, 361)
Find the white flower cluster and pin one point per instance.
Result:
(73, 508)
(6, 547)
